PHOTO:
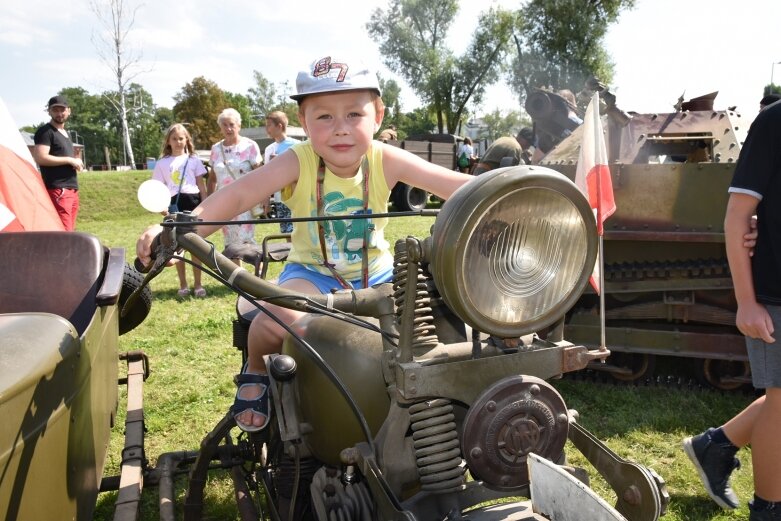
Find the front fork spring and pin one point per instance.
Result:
(424, 333)
(436, 445)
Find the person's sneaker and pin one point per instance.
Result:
(714, 463)
(763, 515)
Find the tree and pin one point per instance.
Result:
(197, 106)
(117, 21)
(500, 123)
(419, 121)
(411, 35)
(391, 94)
(89, 123)
(146, 135)
(243, 105)
(263, 96)
(561, 44)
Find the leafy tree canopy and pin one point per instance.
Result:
(561, 44)
(243, 104)
(411, 35)
(197, 106)
(502, 123)
(265, 97)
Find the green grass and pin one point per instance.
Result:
(192, 361)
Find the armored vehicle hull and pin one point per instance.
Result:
(667, 283)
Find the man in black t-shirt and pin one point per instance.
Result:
(54, 154)
(755, 190)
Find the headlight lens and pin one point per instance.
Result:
(513, 249)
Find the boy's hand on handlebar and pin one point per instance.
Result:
(144, 245)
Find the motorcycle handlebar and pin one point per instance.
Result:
(363, 302)
(140, 266)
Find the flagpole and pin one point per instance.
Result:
(602, 335)
(603, 342)
(592, 167)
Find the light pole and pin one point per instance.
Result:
(772, 70)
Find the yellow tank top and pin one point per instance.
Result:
(344, 239)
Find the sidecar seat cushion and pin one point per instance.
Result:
(258, 404)
(51, 272)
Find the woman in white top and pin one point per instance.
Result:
(230, 159)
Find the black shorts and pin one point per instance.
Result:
(187, 202)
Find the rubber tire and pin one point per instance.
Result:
(408, 198)
(131, 281)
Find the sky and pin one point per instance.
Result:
(661, 48)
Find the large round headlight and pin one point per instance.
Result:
(513, 249)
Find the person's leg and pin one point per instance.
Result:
(182, 279)
(198, 290)
(766, 448)
(766, 457)
(713, 455)
(265, 338)
(739, 429)
(62, 200)
(74, 209)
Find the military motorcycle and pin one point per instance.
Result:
(405, 400)
(398, 401)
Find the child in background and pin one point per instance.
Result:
(182, 172)
(339, 170)
(276, 127)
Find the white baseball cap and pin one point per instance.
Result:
(335, 75)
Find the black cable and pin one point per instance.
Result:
(421, 213)
(311, 352)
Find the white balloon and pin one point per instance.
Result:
(154, 196)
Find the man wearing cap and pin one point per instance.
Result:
(54, 154)
(506, 151)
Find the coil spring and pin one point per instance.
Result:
(424, 333)
(436, 445)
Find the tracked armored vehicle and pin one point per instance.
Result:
(667, 283)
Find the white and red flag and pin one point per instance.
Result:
(593, 177)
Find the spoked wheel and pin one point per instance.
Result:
(639, 365)
(725, 375)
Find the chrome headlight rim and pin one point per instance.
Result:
(461, 215)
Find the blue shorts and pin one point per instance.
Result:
(765, 359)
(326, 283)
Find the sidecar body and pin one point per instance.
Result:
(58, 371)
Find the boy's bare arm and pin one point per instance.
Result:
(402, 166)
(249, 190)
(752, 319)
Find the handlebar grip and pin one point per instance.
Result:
(139, 266)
